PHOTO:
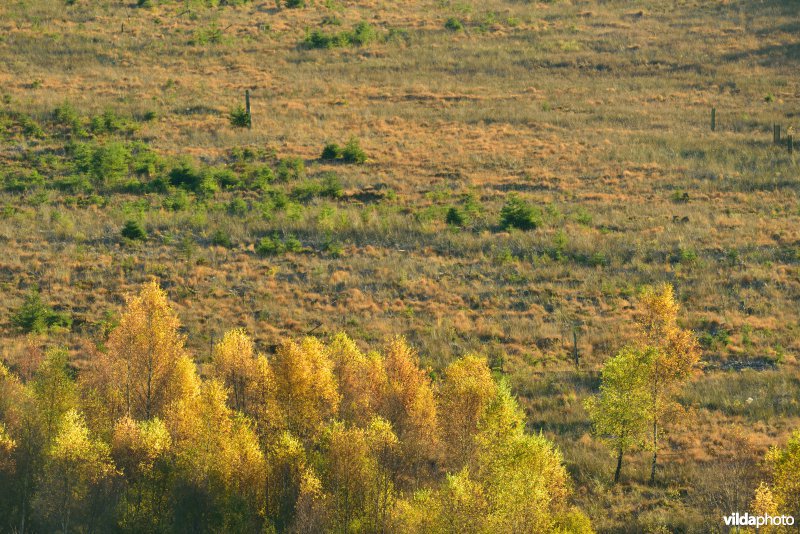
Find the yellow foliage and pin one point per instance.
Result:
(14, 398)
(216, 447)
(784, 467)
(145, 368)
(677, 347)
(764, 501)
(137, 444)
(250, 380)
(7, 446)
(462, 505)
(306, 386)
(408, 404)
(519, 484)
(311, 510)
(360, 377)
(53, 390)
(466, 391)
(234, 362)
(288, 468)
(73, 464)
(523, 476)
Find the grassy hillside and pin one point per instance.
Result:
(594, 115)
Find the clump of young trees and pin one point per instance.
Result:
(639, 384)
(781, 496)
(319, 437)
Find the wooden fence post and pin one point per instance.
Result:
(575, 355)
(713, 119)
(247, 108)
(790, 143)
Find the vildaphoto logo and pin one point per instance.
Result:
(747, 520)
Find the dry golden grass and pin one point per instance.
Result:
(597, 112)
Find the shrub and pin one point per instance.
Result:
(18, 182)
(331, 186)
(363, 33)
(237, 207)
(272, 246)
(516, 213)
(209, 35)
(260, 177)
(105, 163)
(685, 256)
(74, 184)
(453, 24)
(455, 217)
(292, 244)
(269, 246)
(239, 117)
(290, 169)
(108, 122)
(318, 39)
(331, 151)
(597, 259)
(110, 162)
(293, 4)
(334, 248)
(279, 199)
(221, 238)
(680, 197)
(208, 186)
(67, 116)
(37, 317)
(144, 161)
(185, 176)
(306, 191)
(583, 217)
(177, 201)
(227, 179)
(353, 153)
(31, 128)
(134, 231)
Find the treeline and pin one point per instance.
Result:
(319, 437)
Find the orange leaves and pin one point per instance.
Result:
(408, 403)
(361, 379)
(142, 369)
(677, 348)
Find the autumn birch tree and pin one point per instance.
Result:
(782, 494)
(145, 367)
(619, 412)
(408, 404)
(250, 382)
(675, 355)
(73, 463)
(305, 386)
(463, 395)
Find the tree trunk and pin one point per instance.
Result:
(619, 466)
(655, 453)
